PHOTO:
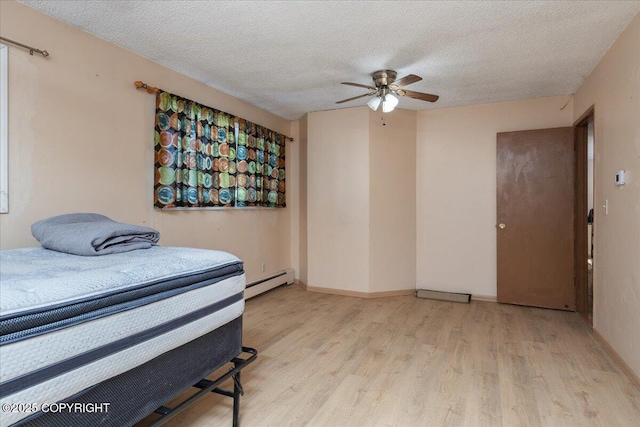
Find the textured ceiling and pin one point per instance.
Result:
(289, 57)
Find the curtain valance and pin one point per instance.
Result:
(208, 158)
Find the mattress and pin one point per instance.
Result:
(69, 322)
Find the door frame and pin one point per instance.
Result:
(580, 220)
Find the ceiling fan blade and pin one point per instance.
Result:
(407, 80)
(359, 85)
(356, 97)
(418, 95)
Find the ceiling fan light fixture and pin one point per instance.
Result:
(390, 102)
(374, 103)
(386, 86)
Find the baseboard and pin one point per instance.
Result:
(486, 298)
(380, 294)
(396, 293)
(358, 294)
(584, 317)
(265, 284)
(616, 357)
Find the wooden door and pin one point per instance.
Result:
(535, 230)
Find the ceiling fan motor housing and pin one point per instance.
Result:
(384, 77)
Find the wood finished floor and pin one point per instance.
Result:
(328, 360)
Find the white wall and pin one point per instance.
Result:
(614, 89)
(456, 188)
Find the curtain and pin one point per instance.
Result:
(194, 158)
(261, 166)
(206, 158)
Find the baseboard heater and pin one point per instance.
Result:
(443, 296)
(265, 284)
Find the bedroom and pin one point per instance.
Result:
(78, 128)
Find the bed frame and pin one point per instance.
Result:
(135, 394)
(207, 386)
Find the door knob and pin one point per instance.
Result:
(502, 226)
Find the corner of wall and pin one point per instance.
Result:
(392, 200)
(302, 224)
(612, 89)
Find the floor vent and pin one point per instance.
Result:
(443, 296)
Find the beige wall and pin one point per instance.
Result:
(302, 267)
(80, 139)
(392, 201)
(590, 182)
(293, 195)
(590, 165)
(614, 89)
(456, 188)
(361, 200)
(338, 199)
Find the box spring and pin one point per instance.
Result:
(135, 394)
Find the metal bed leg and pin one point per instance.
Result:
(207, 386)
(237, 391)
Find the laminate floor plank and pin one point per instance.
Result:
(329, 360)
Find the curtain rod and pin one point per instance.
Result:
(151, 89)
(31, 49)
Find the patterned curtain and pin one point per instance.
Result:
(206, 158)
(261, 166)
(194, 154)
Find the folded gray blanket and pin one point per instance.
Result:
(92, 234)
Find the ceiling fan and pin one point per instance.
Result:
(386, 87)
